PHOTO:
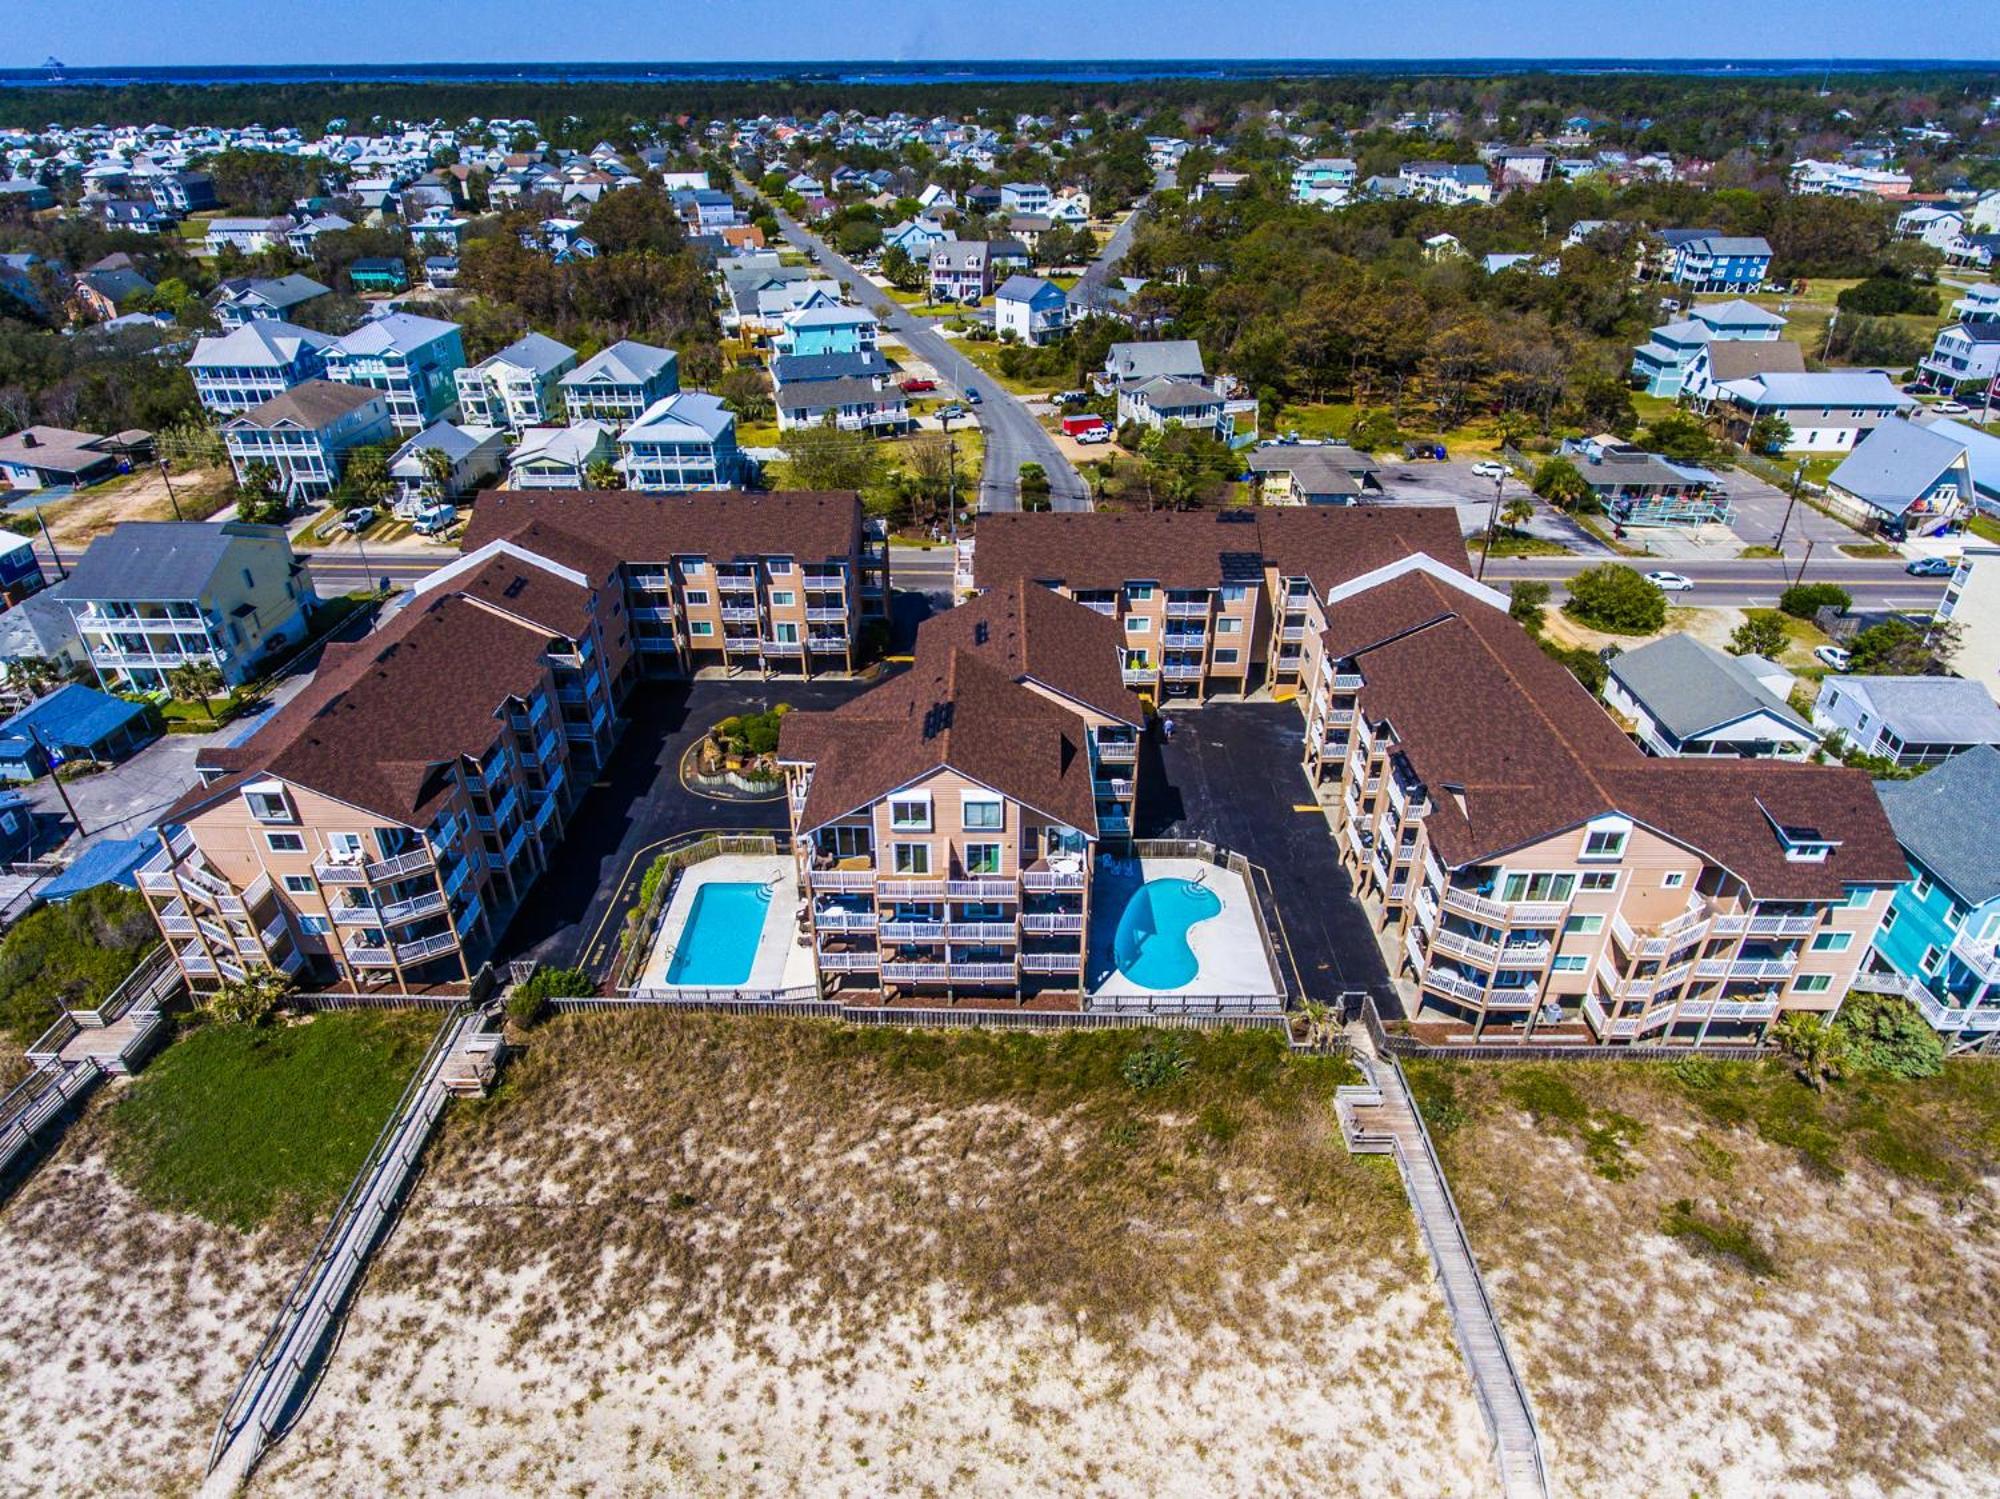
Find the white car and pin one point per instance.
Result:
(1492, 470)
(1832, 657)
(1951, 408)
(1670, 582)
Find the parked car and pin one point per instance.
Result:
(950, 413)
(1491, 470)
(1670, 582)
(1070, 397)
(1951, 408)
(1930, 567)
(917, 387)
(1918, 388)
(1832, 657)
(360, 518)
(1093, 435)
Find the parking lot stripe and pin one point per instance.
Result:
(1307, 807)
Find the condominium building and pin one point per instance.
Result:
(517, 387)
(779, 584)
(1536, 875)
(151, 596)
(1224, 603)
(249, 365)
(384, 824)
(618, 384)
(303, 435)
(947, 822)
(412, 360)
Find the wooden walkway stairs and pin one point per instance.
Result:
(463, 1059)
(1379, 1118)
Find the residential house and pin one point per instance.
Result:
(478, 456)
(1700, 260)
(42, 457)
(1446, 182)
(827, 329)
(1717, 363)
(412, 360)
(253, 362)
(618, 384)
(302, 236)
(378, 274)
(1325, 474)
(961, 271)
(183, 193)
(1907, 477)
(1325, 180)
(1932, 224)
(1911, 721)
(1965, 356)
(1031, 309)
(947, 821)
(683, 441)
(1660, 365)
(20, 570)
(1025, 197)
(101, 296)
(1972, 602)
(1684, 697)
(248, 299)
(1070, 206)
(851, 404)
(1637, 488)
(915, 237)
(246, 236)
(1828, 412)
(1939, 944)
(561, 457)
(150, 596)
(803, 369)
(304, 434)
(73, 723)
(516, 387)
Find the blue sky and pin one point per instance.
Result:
(168, 32)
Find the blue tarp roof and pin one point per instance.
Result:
(74, 715)
(110, 861)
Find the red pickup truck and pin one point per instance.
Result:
(917, 387)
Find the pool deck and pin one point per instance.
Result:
(781, 963)
(1227, 949)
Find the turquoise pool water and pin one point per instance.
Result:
(1151, 944)
(719, 942)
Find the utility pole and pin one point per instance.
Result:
(1492, 524)
(54, 555)
(1802, 563)
(171, 496)
(62, 791)
(1798, 477)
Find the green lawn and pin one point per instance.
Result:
(1985, 527)
(987, 356)
(1519, 544)
(75, 951)
(248, 1126)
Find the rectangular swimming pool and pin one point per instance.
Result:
(718, 945)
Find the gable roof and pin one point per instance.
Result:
(158, 559)
(1868, 388)
(1147, 361)
(1740, 358)
(399, 332)
(1928, 710)
(259, 341)
(793, 369)
(1040, 636)
(595, 530)
(626, 362)
(687, 408)
(311, 404)
(1895, 464)
(1929, 816)
(1693, 689)
(1737, 314)
(533, 351)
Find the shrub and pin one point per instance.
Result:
(1804, 600)
(527, 1008)
(1561, 483)
(1159, 1062)
(1585, 665)
(1887, 1035)
(1761, 634)
(251, 1000)
(1524, 604)
(1618, 599)
(74, 952)
(1720, 1236)
(1372, 430)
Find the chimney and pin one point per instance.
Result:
(29, 440)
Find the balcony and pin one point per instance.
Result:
(1113, 790)
(981, 931)
(175, 921)
(783, 647)
(405, 953)
(1182, 671)
(826, 616)
(653, 582)
(1052, 923)
(428, 904)
(1347, 681)
(1188, 608)
(838, 880)
(1458, 945)
(1494, 912)
(1139, 676)
(849, 962)
(915, 973)
(1117, 752)
(1664, 939)
(1977, 953)
(1745, 968)
(912, 931)
(357, 914)
(1726, 1009)
(982, 889)
(1292, 633)
(1051, 962)
(909, 889)
(737, 615)
(982, 973)
(839, 919)
(1043, 880)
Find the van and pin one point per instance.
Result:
(435, 520)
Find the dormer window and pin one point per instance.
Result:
(1605, 838)
(269, 803)
(1803, 843)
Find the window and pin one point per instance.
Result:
(1228, 626)
(982, 858)
(315, 926)
(1583, 926)
(1137, 624)
(269, 806)
(1599, 880)
(782, 598)
(1933, 960)
(1812, 983)
(780, 567)
(1888, 919)
(911, 813)
(1954, 917)
(1538, 887)
(299, 884)
(982, 812)
(1233, 593)
(1832, 941)
(285, 843)
(697, 596)
(1570, 963)
(1673, 879)
(701, 627)
(1139, 593)
(1604, 843)
(694, 567)
(1921, 887)
(1225, 655)
(913, 858)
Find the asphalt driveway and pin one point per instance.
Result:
(572, 913)
(1231, 775)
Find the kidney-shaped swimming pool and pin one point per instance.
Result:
(1151, 944)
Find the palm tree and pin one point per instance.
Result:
(196, 681)
(1816, 1048)
(1517, 512)
(29, 677)
(601, 474)
(437, 466)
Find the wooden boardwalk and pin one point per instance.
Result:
(461, 1059)
(1378, 1118)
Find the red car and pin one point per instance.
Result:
(917, 387)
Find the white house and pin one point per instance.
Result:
(1031, 309)
(1683, 697)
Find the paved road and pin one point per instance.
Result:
(1013, 436)
(1098, 272)
(1740, 583)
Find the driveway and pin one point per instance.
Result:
(572, 914)
(1013, 436)
(1231, 775)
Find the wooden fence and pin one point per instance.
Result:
(1392, 1043)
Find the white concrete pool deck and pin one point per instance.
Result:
(781, 963)
(1228, 951)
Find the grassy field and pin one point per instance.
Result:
(247, 1127)
(1718, 1278)
(986, 354)
(1332, 419)
(720, 1255)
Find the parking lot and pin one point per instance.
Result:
(1454, 483)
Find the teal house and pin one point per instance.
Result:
(1939, 943)
(1660, 364)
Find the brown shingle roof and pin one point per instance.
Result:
(1194, 549)
(1739, 358)
(1514, 750)
(582, 528)
(311, 404)
(1034, 634)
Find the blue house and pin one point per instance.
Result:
(838, 329)
(1660, 365)
(72, 723)
(1939, 943)
(414, 361)
(1702, 260)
